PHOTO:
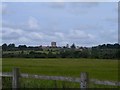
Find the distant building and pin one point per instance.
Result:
(67, 45)
(53, 44)
(77, 47)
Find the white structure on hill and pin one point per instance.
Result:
(53, 44)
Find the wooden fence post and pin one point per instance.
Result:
(55, 84)
(0, 82)
(15, 81)
(84, 80)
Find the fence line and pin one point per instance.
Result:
(106, 82)
(83, 80)
(61, 78)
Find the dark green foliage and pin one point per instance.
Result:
(6, 82)
(22, 47)
(118, 54)
(4, 47)
(105, 51)
(73, 46)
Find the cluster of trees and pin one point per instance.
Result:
(105, 51)
(49, 54)
(12, 47)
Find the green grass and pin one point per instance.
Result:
(37, 83)
(97, 68)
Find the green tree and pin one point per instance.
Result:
(4, 47)
(73, 46)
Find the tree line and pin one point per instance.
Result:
(104, 51)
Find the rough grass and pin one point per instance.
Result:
(37, 83)
(97, 68)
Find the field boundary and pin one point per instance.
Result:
(84, 80)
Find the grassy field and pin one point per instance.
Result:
(97, 68)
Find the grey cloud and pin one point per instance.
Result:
(81, 7)
(7, 24)
(79, 34)
(108, 36)
(57, 5)
(24, 26)
(33, 23)
(23, 40)
(21, 36)
(84, 4)
(112, 20)
(10, 36)
(74, 7)
(60, 35)
(91, 4)
(9, 33)
(73, 4)
(4, 8)
(35, 36)
(89, 27)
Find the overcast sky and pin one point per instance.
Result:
(40, 23)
